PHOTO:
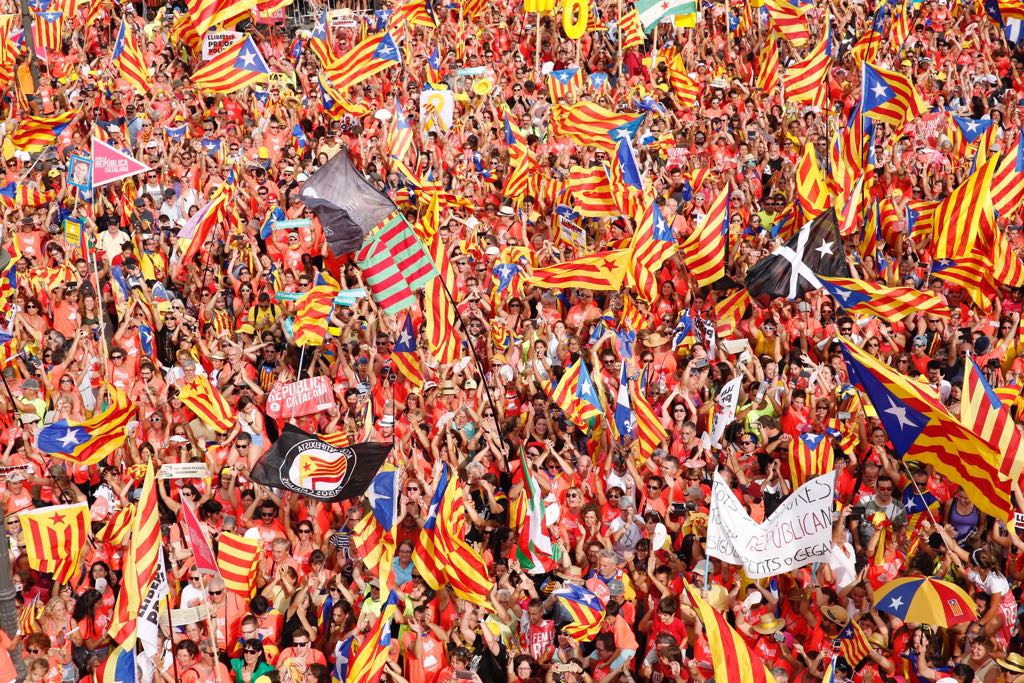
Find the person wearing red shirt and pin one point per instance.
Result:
(797, 416)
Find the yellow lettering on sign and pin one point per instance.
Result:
(575, 27)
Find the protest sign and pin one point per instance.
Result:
(149, 610)
(183, 470)
(798, 533)
(305, 397)
(110, 164)
(725, 409)
(437, 110)
(215, 42)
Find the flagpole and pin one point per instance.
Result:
(302, 358)
(536, 48)
(654, 52)
(618, 24)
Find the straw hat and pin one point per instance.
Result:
(769, 624)
(1013, 662)
(718, 598)
(836, 614)
(656, 339)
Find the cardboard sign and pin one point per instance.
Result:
(342, 18)
(183, 470)
(282, 79)
(305, 397)
(185, 615)
(293, 224)
(676, 156)
(215, 42)
(110, 164)
(72, 228)
(437, 110)
(797, 534)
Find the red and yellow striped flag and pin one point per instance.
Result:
(464, 567)
(118, 526)
(591, 192)
(48, 32)
(367, 664)
(768, 68)
(237, 559)
(650, 432)
(312, 312)
(888, 303)
(143, 555)
(985, 412)
(806, 81)
(684, 88)
(961, 216)
(632, 31)
(130, 60)
(55, 537)
(789, 21)
(704, 250)
(370, 57)
(729, 311)
(810, 456)
(203, 399)
(812, 191)
(202, 15)
(603, 271)
(591, 124)
(36, 133)
(732, 659)
(240, 65)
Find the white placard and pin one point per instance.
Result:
(725, 411)
(215, 42)
(437, 110)
(798, 533)
(183, 470)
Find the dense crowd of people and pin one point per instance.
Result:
(121, 307)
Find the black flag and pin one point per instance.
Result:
(346, 204)
(789, 271)
(303, 463)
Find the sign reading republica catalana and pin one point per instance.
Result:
(798, 533)
(305, 397)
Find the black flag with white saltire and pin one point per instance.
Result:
(790, 270)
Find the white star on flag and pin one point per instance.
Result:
(972, 126)
(403, 338)
(900, 413)
(880, 91)
(70, 438)
(825, 249)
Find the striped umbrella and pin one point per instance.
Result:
(924, 600)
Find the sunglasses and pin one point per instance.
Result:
(215, 592)
(250, 652)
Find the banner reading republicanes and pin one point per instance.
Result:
(798, 533)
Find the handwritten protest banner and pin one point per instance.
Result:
(798, 533)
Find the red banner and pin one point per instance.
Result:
(202, 553)
(305, 397)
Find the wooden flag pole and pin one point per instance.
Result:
(618, 24)
(536, 48)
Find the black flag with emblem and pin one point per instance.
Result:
(790, 270)
(310, 466)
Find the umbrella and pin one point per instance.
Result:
(924, 600)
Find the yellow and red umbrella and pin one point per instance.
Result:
(924, 600)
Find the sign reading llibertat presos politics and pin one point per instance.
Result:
(798, 533)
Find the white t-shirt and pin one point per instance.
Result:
(843, 564)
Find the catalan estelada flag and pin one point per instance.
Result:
(585, 610)
(36, 133)
(15, 194)
(439, 310)
(425, 554)
(405, 356)
(237, 559)
(48, 32)
(565, 83)
(867, 46)
(236, 67)
(984, 412)
(853, 644)
(577, 395)
(603, 271)
(130, 60)
(890, 96)
(591, 124)
(591, 192)
(368, 662)
(632, 31)
(312, 312)
(888, 303)
(204, 399)
(464, 567)
(55, 537)
(810, 456)
(89, 442)
(117, 667)
(732, 659)
(651, 245)
(704, 250)
(683, 87)
(921, 429)
(371, 56)
(973, 273)
(400, 134)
